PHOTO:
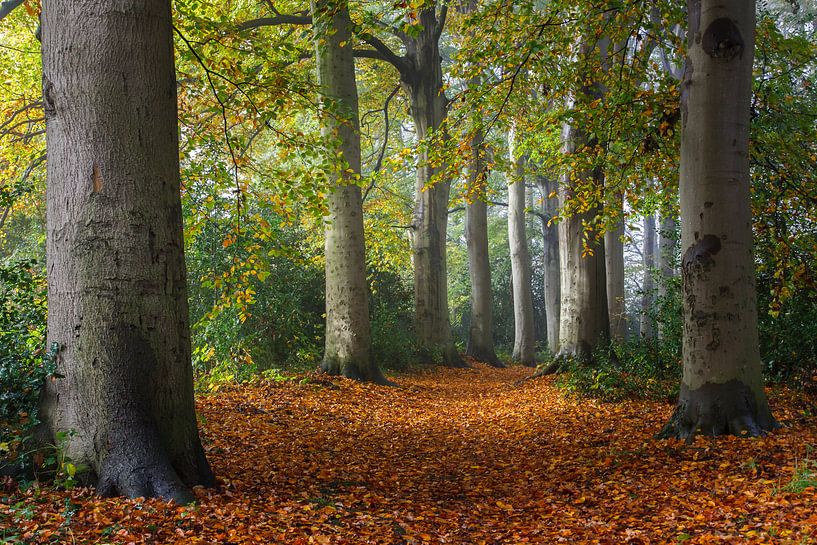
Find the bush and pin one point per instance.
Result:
(633, 370)
(24, 364)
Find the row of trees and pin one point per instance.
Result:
(581, 100)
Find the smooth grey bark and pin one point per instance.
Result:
(480, 333)
(524, 344)
(550, 209)
(667, 250)
(117, 289)
(348, 342)
(585, 322)
(614, 265)
(648, 280)
(422, 78)
(722, 387)
(585, 319)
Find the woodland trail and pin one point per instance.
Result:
(453, 456)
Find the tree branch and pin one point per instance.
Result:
(368, 54)
(280, 19)
(441, 19)
(8, 6)
(400, 63)
(379, 163)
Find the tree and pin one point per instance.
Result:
(481, 331)
(648, 283)
(348, 341)
(722, 387)
(524, 342)
(549, 189)
(614, 265)
(585, 322)
(122, 397)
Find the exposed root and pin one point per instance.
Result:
(370, 373)
(544, 370)
(730, 408)
(137, 466)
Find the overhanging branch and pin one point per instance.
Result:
(8, 6)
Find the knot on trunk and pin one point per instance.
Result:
(722, 40)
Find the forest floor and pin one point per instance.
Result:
(453, 456)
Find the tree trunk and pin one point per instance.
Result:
(722, 388)
(524, 344)
(614, 256)
(424, 85)
(585, 322)
(648, 281)
(550, 230)
(123, 396)
(667, 249)
(480, 333)
(348, 340)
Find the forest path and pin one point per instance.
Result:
(464, 457)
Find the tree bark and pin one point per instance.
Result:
(648, 280)
(667, 250)
(550, 209)
(480, 333)
(722, 387)
(614, 256)
(423, 82)
(348, 342)
(524, 344)
(123, 396)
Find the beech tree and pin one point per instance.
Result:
(524, 341)
(550, 205)
(614, 256)
(480, 333)
(348, 332)
(585, 322)
(722, 387)
(421, 77)
(122, 397)
(648, 280)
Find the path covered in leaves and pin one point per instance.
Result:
(452, 456)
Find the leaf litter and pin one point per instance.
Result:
(451, 456)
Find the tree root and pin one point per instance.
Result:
(729, 408)
(543, 370)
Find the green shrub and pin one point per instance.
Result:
(24, 363)
(632, 370)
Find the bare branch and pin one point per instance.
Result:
(400, 63)
(379, 163)
(368, 54)
(441, 19)
(280, 19)
(8, 6)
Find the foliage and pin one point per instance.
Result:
(456, 456)
(805, 475)
(24, 363)
(639, 369)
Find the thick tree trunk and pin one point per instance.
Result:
(348, 341)
(722, 388)
(614, 256)
(480, 333)
(585, 322)
(524, 344)
(116, 274)
(424, 85)
(648, 280)
(550, 230)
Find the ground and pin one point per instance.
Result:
(463, 456)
